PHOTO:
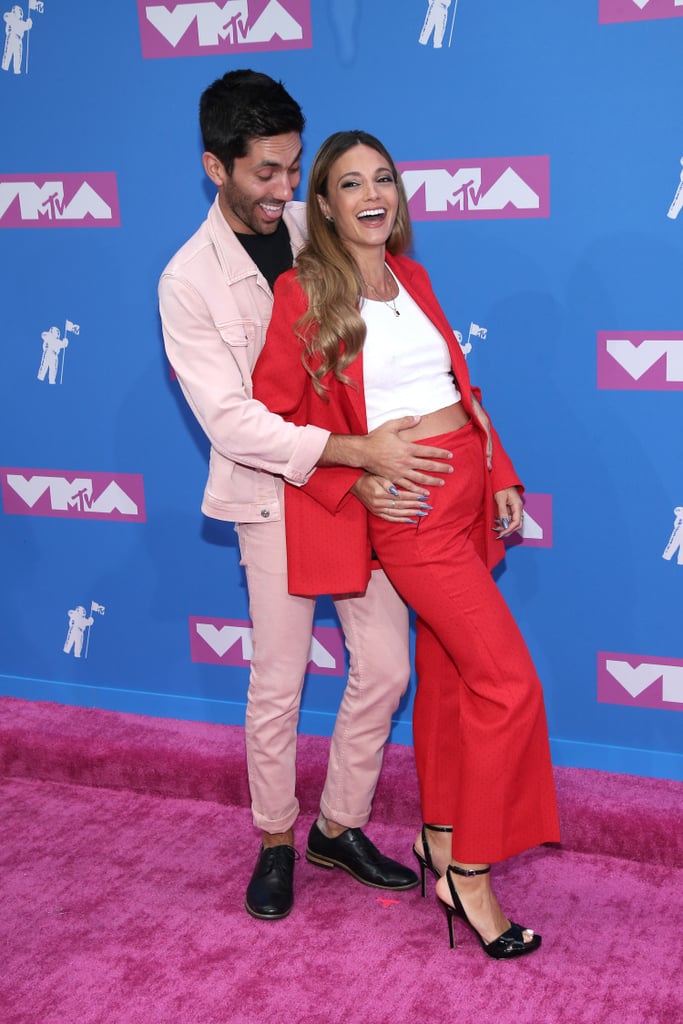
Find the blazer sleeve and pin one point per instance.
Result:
(283, 384)
(503, 473)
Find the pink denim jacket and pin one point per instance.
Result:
(215, 309)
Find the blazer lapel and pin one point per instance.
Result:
(355, 393)
(429, 305)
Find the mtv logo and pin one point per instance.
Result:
(537, 525)
(59, 201)
(191, 28)
(228, 642)
(611, 11)
(640, 682)
(640, 360)
(64, 494)
(483, 189)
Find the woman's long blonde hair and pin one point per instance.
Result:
(328, 273)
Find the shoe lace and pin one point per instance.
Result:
(279, 859)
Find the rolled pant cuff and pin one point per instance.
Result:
(343, 817)
(274, 825)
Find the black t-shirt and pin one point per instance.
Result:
(272, 254)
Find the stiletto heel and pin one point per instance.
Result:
(424, 859)
(508, 945)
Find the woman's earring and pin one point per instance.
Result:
(330, 220)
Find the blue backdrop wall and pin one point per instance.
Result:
(541, 146)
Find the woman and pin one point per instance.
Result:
(356, 337)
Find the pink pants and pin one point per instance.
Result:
(481, 740)
(375, 627)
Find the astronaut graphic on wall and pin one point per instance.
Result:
(79, 622)
(676, 539)
(677, 201)
(465, 346)
(436, 22)
(52, 346)
(475, 331)
(16, 27)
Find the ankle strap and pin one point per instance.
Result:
(466, 872)
(439, 828)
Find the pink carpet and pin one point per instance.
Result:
(127, 845)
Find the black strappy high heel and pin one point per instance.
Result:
(508, 945)
(425, 861)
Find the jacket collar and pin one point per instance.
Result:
(407, 273)
(235, 262)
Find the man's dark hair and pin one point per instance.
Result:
(241, 106)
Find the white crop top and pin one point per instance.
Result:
(406, 362)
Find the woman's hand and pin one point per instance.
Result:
(486, 424)
(510, 511)
(382, 499)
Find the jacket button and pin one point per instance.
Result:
(265, 513)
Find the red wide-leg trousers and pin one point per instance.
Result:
(479, 725)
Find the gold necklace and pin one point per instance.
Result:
(391, 303)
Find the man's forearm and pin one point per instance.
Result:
(344, 450)
(382, 452)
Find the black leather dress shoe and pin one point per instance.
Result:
(354, 852)
(270, 893)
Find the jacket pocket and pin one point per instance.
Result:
(239, 333)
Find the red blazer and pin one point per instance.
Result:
(328, 550)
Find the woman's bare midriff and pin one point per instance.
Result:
(441, 421)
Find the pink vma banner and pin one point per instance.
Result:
(640, 360)
(639, 681)
(537, 525)
(66, 494)
(81, 200)
(484, 188)
(228, 642)
(194, 28)
(612, 11)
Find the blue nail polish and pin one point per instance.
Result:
(422, 513)
(506, 522)
(392, 490)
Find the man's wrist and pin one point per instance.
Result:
(343, 450)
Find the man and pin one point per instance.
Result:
(215, 301)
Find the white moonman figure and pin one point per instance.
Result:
(677, 201)
(52, 346)
(676, 539)
(466, 346)
(15, 26)
(435, 21)
(78, 623)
